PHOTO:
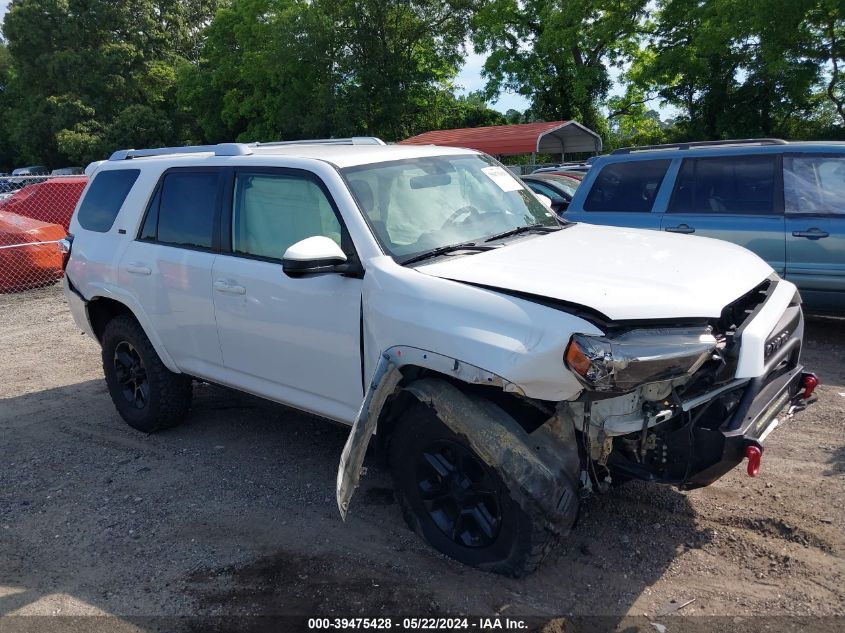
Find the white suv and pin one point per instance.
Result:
(511, 362)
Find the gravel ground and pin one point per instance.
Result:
(233, 514)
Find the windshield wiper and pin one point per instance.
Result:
(524, 229)
(443, 250)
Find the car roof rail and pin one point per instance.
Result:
(352, 140)
(221, 149)
(700, 144)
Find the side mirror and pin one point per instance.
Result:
(559, 204)
(312, 255)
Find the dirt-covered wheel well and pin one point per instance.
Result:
(101, 310)
(529, 414)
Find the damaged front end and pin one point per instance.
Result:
(539, 465)
(659, 403)
(665, 404)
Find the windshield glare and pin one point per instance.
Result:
(420, 204)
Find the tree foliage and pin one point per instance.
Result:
(88, 74)
(311, 68)
(733, 71)
(79, 78)
(558, 53)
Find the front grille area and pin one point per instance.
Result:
(737, 314)
(728, 332)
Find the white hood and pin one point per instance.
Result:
(622, 273)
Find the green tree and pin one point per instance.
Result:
(83, 72)
(290, 69)
(733, 70)
(557, 53)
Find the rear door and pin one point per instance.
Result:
(731, 198)
(624, 194)
(168, 267)
(814, 202)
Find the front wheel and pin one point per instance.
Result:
(146, 394)
(459, 503)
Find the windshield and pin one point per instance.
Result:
(421, 204)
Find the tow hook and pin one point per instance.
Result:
(754, 454)
(809, 382)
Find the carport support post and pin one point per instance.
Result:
(533, 159)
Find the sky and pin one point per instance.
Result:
(469, 79)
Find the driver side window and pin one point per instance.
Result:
(274, 211)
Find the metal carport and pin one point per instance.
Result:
(554, 137)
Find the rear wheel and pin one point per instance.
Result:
(458, 502)
(146, 394)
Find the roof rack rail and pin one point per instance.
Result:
(352, 140)
(697, 144)
(221, 149)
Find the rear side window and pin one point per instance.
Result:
(743, 185)
(104, 198)
(627, 187)
(183, 210)
(814, 184)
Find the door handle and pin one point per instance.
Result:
(681, 228)
(138, 268)
(813, 233)
(229, 287)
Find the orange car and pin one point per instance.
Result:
(50, 201)
(29, 254)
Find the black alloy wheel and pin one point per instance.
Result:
(459, 494)
(131, 374)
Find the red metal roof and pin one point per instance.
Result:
(524, 138)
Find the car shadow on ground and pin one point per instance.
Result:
(232, 516)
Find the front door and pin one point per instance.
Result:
(294, 340)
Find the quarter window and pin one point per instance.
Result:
(631, 186)
(183, 210)
(814, 184)
(104, 198)
(274, 211)
(742, 185)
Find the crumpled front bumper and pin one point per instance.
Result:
(710, 451)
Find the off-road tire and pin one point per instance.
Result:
(522, 542)
(169, 394)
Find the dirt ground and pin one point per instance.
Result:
(232, 515)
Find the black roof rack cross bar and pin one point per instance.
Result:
(695, 144)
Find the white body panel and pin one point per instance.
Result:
(521, 341)
(174, 286)
(751, 354)
(294, 340)
(626, 274)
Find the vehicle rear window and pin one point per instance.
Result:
(627, 187)
(814, 184)
(183, 211)
(743, 185)
(104, 198)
